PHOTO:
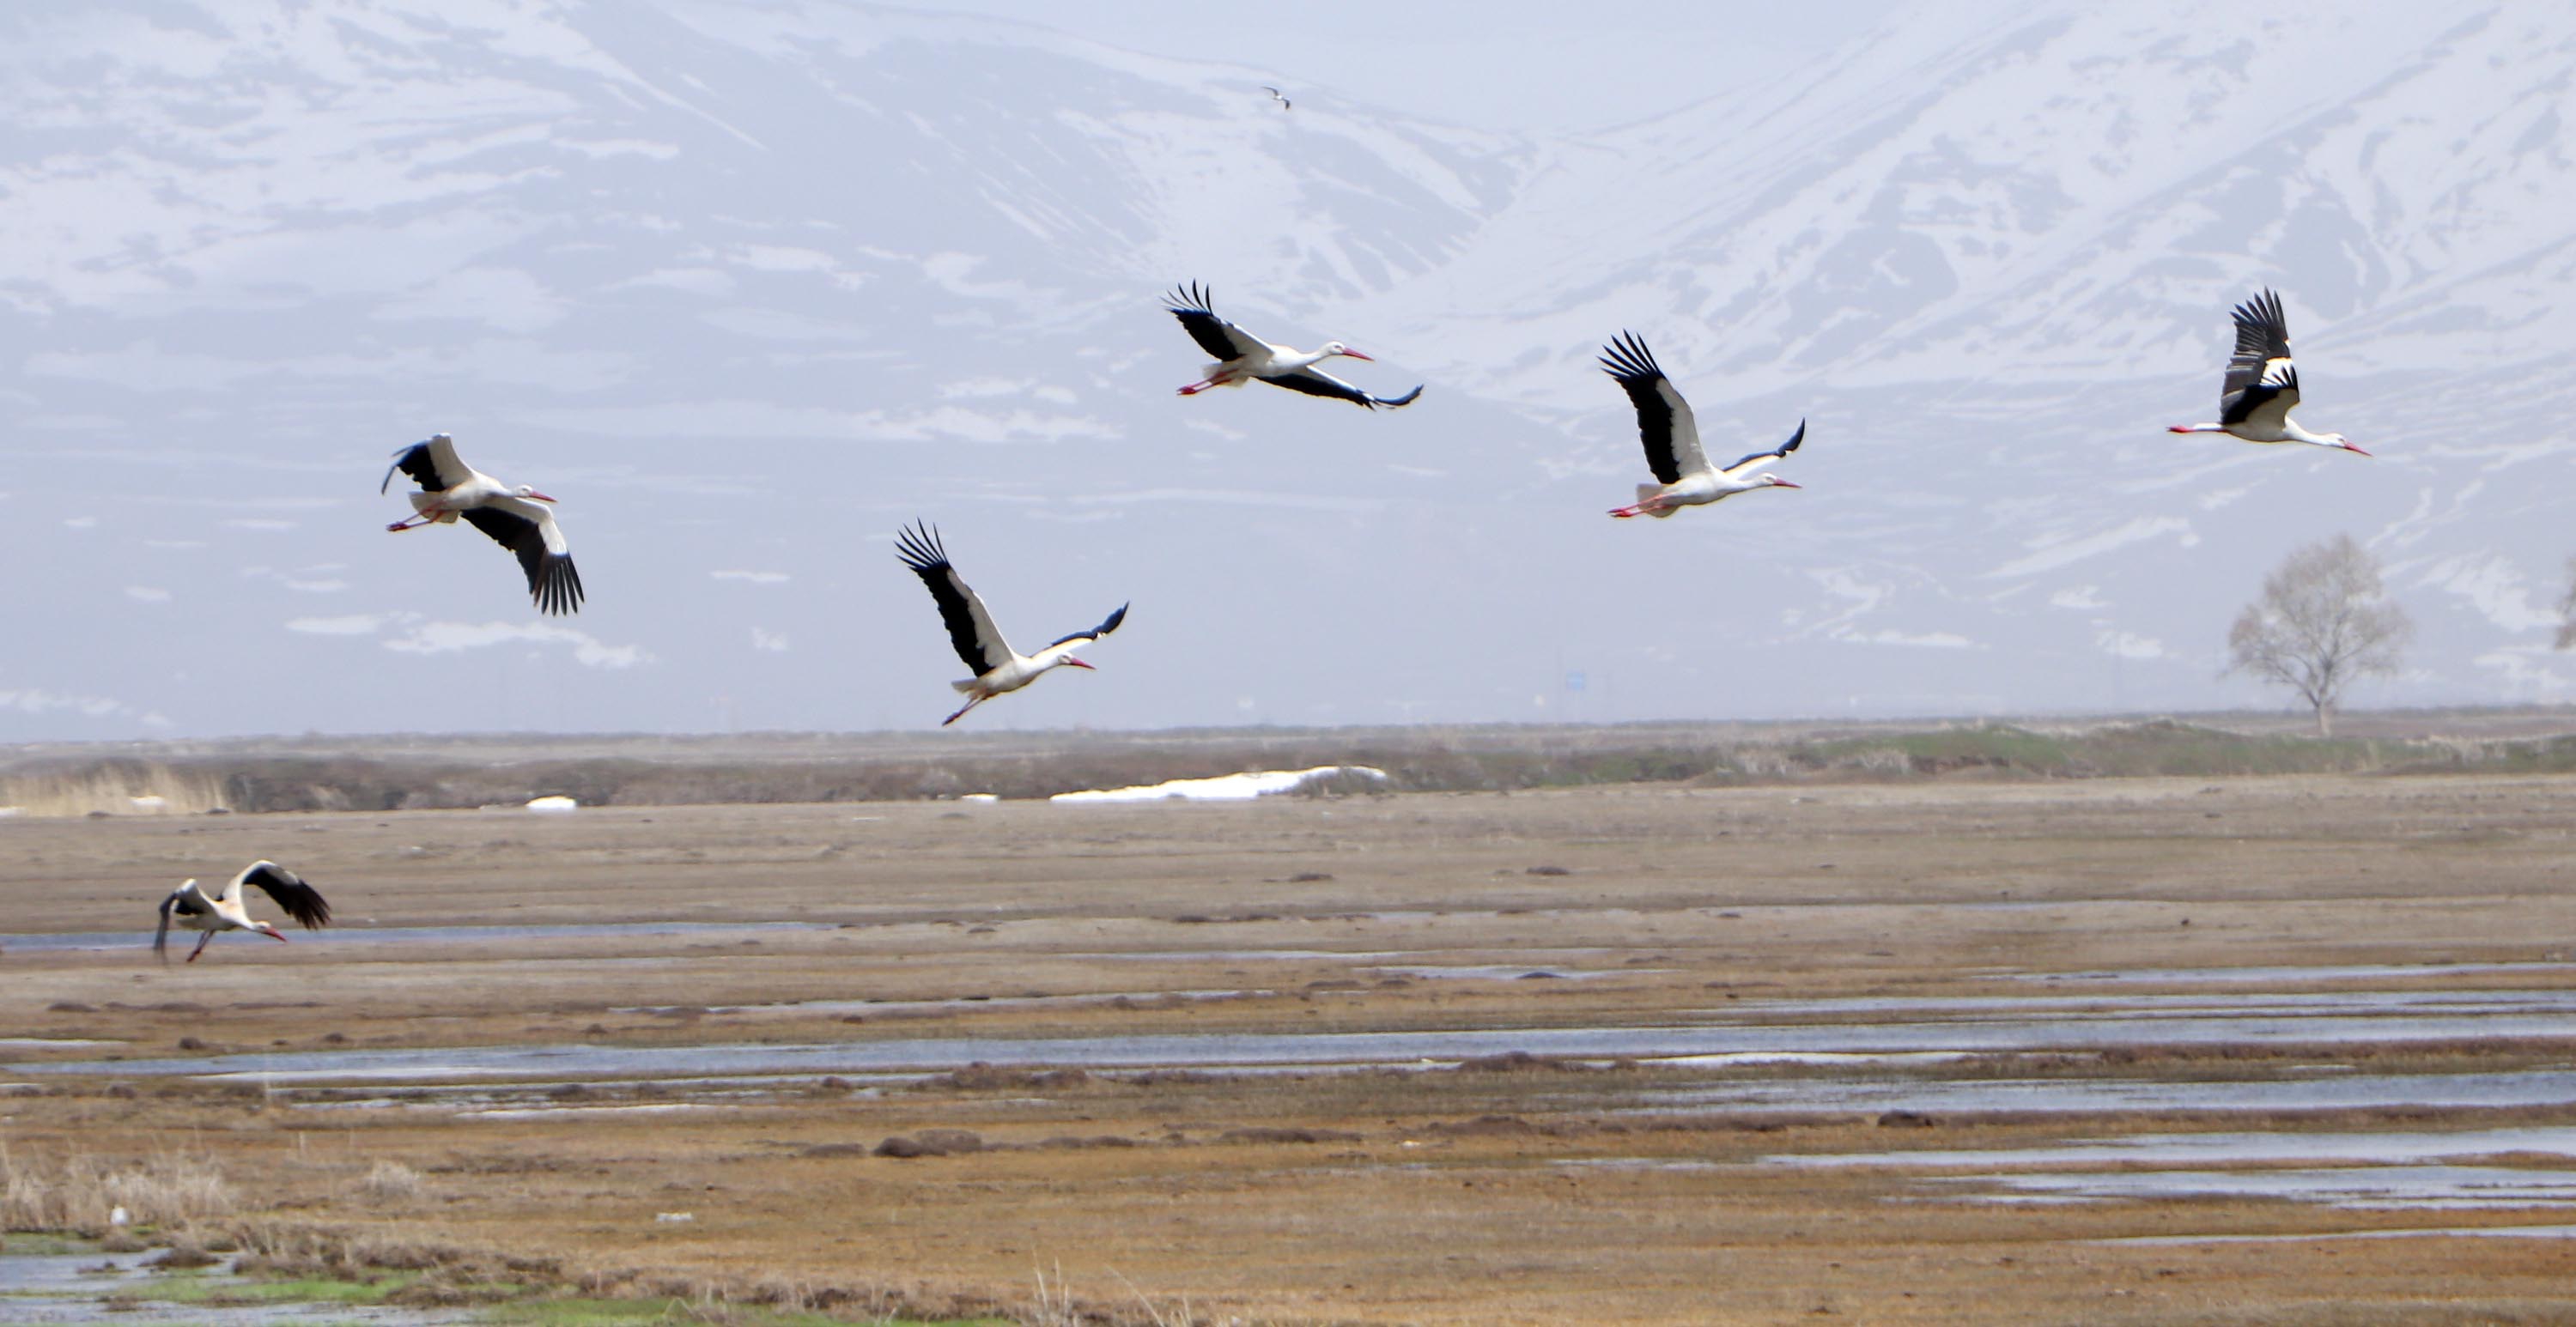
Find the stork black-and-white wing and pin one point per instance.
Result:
(1214, 334)
(183, 900)
(297, 899)
(525, 527)
(1774, 454)
(1095, 633)
(431, 464)
(1664, 420)
(979, 643)
(2261, 380)
(1315, 382)
(1277, 96)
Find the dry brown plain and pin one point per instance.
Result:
(1626, 1184)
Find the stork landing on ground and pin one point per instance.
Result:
(189, 907)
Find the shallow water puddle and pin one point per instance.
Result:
(2410, 1232)
(2401, 1170)
(1636, 1163)
(933, 1054)
(1975, 1008)
(99, 1287)
(1509, 972)
(2385, 1148)
(2366, 1017)
(2358, 1187)
(953, 1004)
(572, 1111)
(2537, 1087)
(2268, 975)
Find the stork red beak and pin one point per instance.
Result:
(2354, 450)
(278, 936)
(540, 497)
(1782, 483)
(1353, 354)
(1072, 662)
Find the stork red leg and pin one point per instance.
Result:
(201, 946)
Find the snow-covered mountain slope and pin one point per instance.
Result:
(750, 284)
(2066, 195)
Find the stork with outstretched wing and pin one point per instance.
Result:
(997, 667)
(518, 518)
(2262, 385)
(1243, 357)
(1683, 476)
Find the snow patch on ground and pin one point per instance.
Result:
(1223, 788)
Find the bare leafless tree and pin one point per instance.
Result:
(2322, 620)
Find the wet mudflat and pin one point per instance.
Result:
(2140, 1051)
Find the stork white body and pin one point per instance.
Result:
(999, 669)
(1243, 357)
(1670, 434)
(2262, 384)
(191, 908)
(516, 517)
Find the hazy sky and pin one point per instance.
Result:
(1511, 64)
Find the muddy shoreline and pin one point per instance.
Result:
(1645, 1053)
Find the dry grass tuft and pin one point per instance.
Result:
(288, 1249)
(77, 1192)
(1053, 1308)
(391, 1182)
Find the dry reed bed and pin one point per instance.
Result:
(42, 1190)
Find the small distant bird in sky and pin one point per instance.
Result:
(1276, 95)
(1671, 436)
(1243, 357)
(2262, 385)
(514, 517)
(998, 668)
(189, 907)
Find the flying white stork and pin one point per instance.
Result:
(1672, 440)
(1242, 357)
(512, 516)
(188, 906)
(1276, 95)
(2262, 385)
(998, 667)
